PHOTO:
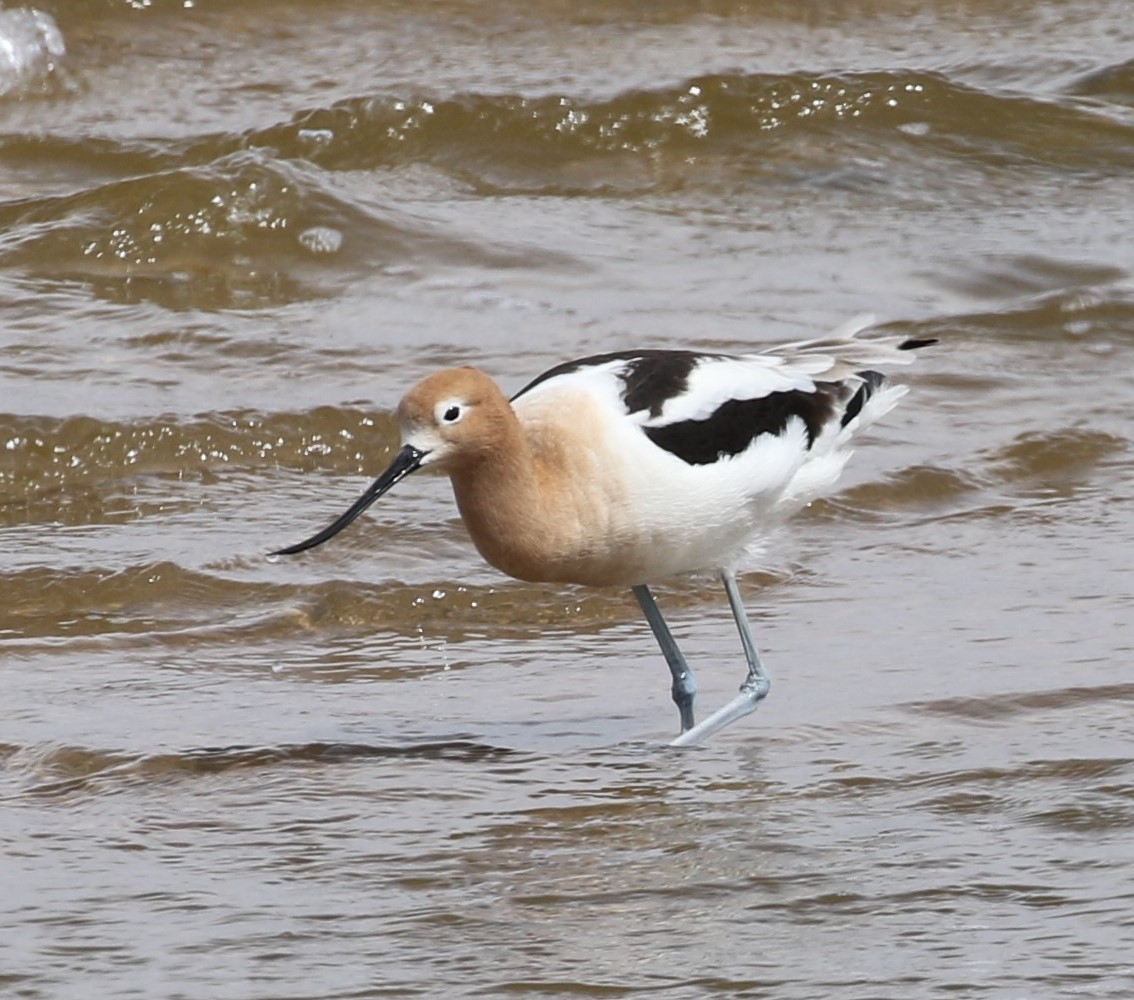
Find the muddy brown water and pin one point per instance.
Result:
(232, 234)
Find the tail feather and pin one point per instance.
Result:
(843, 365)
(845, 354)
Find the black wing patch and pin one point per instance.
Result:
(735, 424)
(871, 383)
(654, 377)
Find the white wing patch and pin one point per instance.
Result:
(715, 381)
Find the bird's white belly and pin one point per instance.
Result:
(658, 516)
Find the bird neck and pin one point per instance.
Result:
(502, 496)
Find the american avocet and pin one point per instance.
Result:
(626, 468)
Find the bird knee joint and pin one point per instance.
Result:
(756, 687)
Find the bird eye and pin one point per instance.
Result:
(451, 415)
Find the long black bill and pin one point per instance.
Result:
(406, 461)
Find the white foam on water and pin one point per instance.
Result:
(321, 239)
(30, 46)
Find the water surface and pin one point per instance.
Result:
(231, 235)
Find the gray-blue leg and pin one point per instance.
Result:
(684, 683)
(755, 686)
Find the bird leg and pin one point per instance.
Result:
(684, 683)
(754, 688)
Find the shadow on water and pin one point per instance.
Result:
(61, 771)
(992, 708)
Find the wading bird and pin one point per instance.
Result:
(627, 468)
